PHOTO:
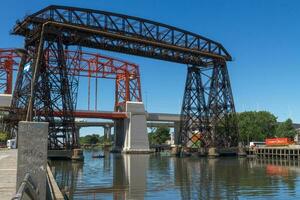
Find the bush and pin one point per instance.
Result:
(3, 137)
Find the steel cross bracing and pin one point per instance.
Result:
(8, 59)
(83, 64)
(193, 111)
(127, 34)
(78, 64)
(136, 36)
(222, 125)
(90, 65)
(208, 112)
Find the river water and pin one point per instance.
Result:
(164, 177)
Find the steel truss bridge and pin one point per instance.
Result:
(208, 106)
(91, 66)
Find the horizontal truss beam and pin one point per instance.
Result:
(127, 34)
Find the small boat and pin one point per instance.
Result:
(98, 156)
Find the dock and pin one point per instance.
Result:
(8, 173)
(283, 152)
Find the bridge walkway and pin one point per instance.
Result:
(8, 173)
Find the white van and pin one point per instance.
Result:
(11, 144)
(257, 144)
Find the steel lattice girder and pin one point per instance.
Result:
(8, 60)
(127, 89)
(84, 64)
(127, 34)
(222, 127)
(193, 111)
(131, 35)
(50, 91)
(208, 116)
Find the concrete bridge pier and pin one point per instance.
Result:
(136, 138)
(176, 132)
(107, 132)
(77, 131)
(119, 136)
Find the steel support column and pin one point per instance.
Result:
(193, 111)
(208, 117)
(41, 89)
(222, 127)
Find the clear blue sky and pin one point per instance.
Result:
(263, 36)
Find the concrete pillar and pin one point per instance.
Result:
(77, 155)
(119, 135)
(212, 152)
(136, 139)
(32, 154)
(107, 132)
(176, 132)
(77, 135)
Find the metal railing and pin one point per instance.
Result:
(28, 188)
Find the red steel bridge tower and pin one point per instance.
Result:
(78, 64)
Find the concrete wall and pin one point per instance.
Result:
(5, 100)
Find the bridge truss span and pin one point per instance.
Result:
(208, 101)
(126, 34)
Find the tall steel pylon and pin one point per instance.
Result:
(193, 111)
(222, 125)
(208, 114)
(42, 90)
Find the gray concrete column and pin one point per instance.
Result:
(77, 135)
(119, 135)
(176, 132)
(107, 131)
(32, 154)
(136, 139)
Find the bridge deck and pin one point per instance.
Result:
(8, 173)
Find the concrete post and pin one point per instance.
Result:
(32, 154)
(107, 131)
(212, 152)
(136, 140)
(77, 135)
(176, 132)
(119, 135)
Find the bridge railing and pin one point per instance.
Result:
(26, 188)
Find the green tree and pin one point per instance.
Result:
(3, 137)
(286, 129)
(90, 139)
(160, 135)
(256, 126)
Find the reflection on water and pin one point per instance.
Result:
(160, 177)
